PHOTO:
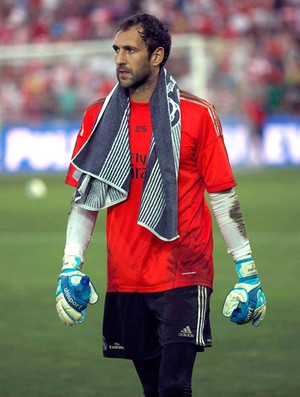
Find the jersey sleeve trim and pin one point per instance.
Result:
(221, 187)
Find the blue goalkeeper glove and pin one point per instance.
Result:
(70, 304)
(246, 302)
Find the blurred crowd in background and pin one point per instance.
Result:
(252, 49)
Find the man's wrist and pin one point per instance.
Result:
(245, 267)
(72, 263)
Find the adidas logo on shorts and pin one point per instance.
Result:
(186, 332)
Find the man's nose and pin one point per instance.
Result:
(120, 58)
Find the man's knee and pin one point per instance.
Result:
(174, 388)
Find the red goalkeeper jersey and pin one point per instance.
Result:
(138, 261)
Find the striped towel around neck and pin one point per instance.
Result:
(103, 163)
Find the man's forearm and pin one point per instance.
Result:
(226, 208)
(80, 228)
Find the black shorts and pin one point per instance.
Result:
(137, 325)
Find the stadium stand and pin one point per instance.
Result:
(252, 49)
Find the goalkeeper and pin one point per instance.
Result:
(147, 153)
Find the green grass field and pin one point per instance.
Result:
(40, 357)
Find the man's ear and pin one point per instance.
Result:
(157, 56)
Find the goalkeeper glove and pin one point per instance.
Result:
(246, 302)
(70, 304)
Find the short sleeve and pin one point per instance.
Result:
(85, 130)
(212, 158)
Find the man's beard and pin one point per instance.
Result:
(136, 81)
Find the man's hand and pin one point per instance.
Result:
(70, 306)
(246, 302)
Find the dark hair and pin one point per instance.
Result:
(154, 33)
